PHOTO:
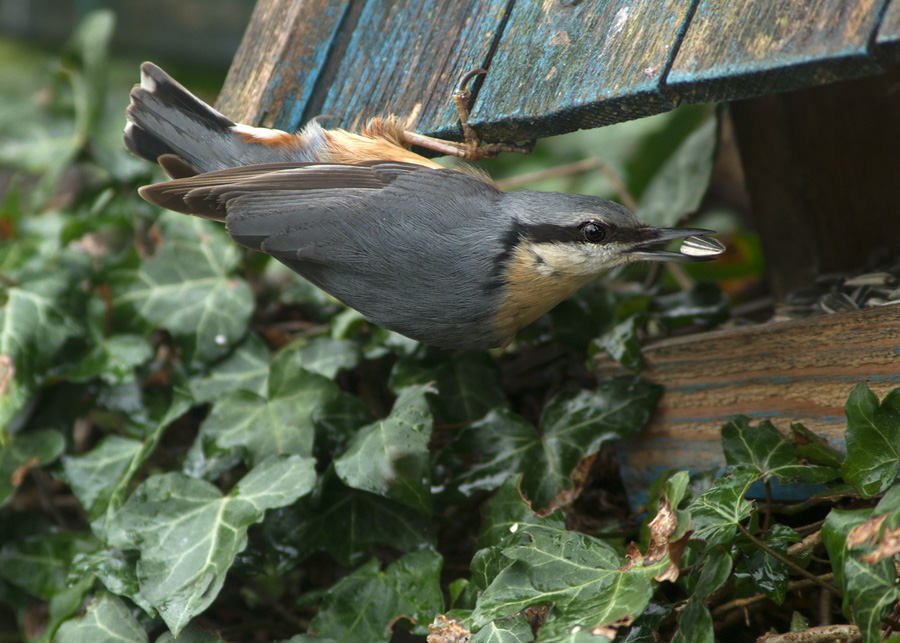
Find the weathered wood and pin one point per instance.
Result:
(736, 50)
(562, 66)
(888, 39)
(821, 167)
(279, 62)
(799, 371)
(405, 58)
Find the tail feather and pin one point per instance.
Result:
(166, 120)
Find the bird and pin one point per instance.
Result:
(440, 255)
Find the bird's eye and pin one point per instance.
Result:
(594, 232)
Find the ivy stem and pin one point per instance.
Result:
(787, 561)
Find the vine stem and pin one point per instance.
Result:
(791, 564)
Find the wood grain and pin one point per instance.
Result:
(279, 62)
(799, 371)
(888, 38)
(821, 170)
(562, 66)
(736, 50)
(405, 57)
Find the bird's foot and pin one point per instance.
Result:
(472, 148)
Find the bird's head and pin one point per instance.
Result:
(556, 243)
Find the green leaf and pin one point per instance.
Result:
(838, 525)
(582, 578)
(871, 591)
(768, 574)
(187, 288)
(574, 425)
(506, 512)
(695, 624)
(764, 449)
(35, 323)
(703, 305)
(710, 573)
(678, 187)
(345, 523)
(815, 448)
(468, 383)
(38, 562)
(188, 533)
(107, 619)
(515, 629)
(24, 451)
(247, 368)
(256, 427)
(110, 465)
(93, 476)
(716, 513)
(873, 440)
(622, 344)
(390, 457)
(324, 355)
(364, 605)
(190, 635)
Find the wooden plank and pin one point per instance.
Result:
(736, 50)
(405, 57)
(280, 60)
(821, 170)
(562, 66)
(798, 371)
(888, 40)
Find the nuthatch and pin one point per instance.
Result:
(439, 255)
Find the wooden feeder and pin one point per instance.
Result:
(815, 100)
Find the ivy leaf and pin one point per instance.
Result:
(678, 187)
(506, 512)
(768, 574)
(325, 356)
(247, 368)
(871, 591)
(187, 288)
(695, 624)
(516, 629)
(190, 635)
(873, 440)
(346, 523)
(622, 344)
(364, 605)
(716, 513)
(188, 533)
(24, 451)
(92, 476)
(390, 457)
(704, 305)
(36, 321)
(107, 619)
(815, 448)
(468, 383)
(765, 450)
(255, 427)
(574, 425)
(582, 578)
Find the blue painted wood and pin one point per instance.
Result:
(736, 50)
(280, 61)
(562, 66)
(888, 39)
(405, 57)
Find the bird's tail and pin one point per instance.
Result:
(168, 125)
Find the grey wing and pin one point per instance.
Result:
(411, 248)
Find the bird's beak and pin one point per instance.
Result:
(696, 246)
